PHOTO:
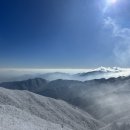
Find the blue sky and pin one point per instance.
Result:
(64, 33)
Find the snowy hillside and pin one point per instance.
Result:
(16, 104)
(99, 104)
(103, 98)
(12, 118)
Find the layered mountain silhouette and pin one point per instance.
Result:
(105, 101)
(80, 75)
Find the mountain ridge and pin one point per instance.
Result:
(55, 111)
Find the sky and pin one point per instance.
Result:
(64, 33)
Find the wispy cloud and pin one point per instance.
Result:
(122, 46)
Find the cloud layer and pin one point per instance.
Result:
(122, 45)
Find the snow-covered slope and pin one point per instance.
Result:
(55, 111)
(103, 98)
(12, 118)
(107, 100)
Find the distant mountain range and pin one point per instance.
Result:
(98, 73)
(107, 100)
(98, 104)
(90, 74)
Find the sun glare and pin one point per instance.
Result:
(111, 1)
(108, 4)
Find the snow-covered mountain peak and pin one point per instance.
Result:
(108, 69)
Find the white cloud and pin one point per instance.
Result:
(122, 46)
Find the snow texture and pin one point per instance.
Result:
(23, 110)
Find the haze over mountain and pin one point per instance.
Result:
(7, 75)
(107, 100)
(50, 57)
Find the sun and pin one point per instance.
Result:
(108, 4)
(111, 1)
